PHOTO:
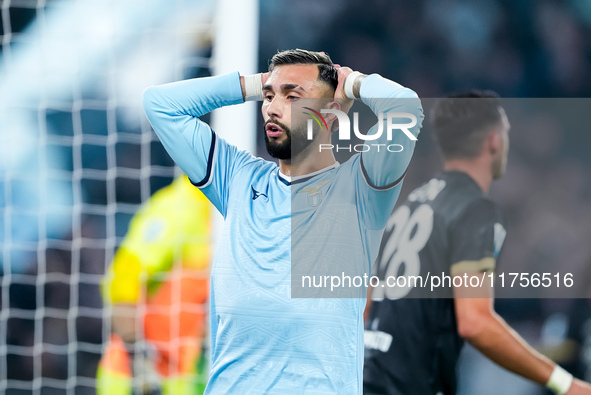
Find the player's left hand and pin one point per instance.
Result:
(264, 78)
(579, 387)
(339, 94)
(342, 73)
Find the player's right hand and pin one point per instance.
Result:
(579, 387)
(264, 78)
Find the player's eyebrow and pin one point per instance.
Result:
(284, 87)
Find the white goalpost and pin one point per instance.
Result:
(78, 158)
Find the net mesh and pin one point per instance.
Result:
(77, 158)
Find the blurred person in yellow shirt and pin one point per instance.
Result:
(158, 286)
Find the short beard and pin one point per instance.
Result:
(282, 150)
(286, 150)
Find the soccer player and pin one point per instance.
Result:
(163, 262)
(263, 340)
(449, 225)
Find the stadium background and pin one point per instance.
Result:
(90, 158)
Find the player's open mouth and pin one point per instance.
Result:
(273, 130)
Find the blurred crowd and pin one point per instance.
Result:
(522, 48)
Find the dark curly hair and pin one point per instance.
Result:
(326, 70)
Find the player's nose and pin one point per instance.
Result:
(274, 108)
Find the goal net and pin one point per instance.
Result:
(78, 158)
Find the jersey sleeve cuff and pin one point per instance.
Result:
(210, 159)
(380, 187)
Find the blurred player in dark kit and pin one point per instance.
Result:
(448, 225)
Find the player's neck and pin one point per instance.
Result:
(476, 169)
(307, 164)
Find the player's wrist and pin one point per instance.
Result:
(560, 381)
(352, 85)
(253, 87)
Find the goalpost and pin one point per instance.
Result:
(78, 157)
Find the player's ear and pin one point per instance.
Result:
(333, 105)
(494, 143)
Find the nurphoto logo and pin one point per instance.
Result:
(392, 121)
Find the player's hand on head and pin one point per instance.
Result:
(339, 94)
(579, 387)
(264, 78)
(342, 73)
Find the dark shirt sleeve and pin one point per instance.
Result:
(476, 238)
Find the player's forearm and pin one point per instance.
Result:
(500, 343)
(387, 165)
(173, 110)
(194, 97)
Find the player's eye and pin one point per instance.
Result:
(292, 98)
(268, 97)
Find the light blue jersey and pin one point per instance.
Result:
(263, 340)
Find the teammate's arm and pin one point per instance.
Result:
(476, 240)
(484, 329)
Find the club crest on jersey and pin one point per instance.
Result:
(314, 199)
(315, 193)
